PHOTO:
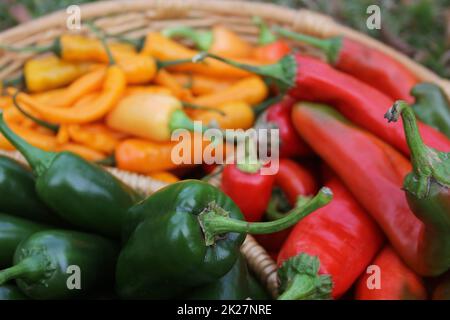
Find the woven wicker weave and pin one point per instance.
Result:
(135, 18)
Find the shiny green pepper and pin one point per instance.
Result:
(45, 261)
(18, 196)
(80, 192)
(427, 187)
(12, 231)
(10, 292)
(432, 106)
(232, 286)
(186, 235)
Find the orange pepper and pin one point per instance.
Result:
(138, 68)
(5, 102)
(76, 48)
(200, 84)
(237, 115)
(164, 176)
(147, 89)
(219, 40)
(164, 49)
(164, 78)
(99, 141)
(113, 89)
(63, 134)
(37, 139)
(83, 151)
(51, 72)
(251, 90)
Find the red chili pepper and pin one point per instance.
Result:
(367, 64)
(307, 78)
(396, 280)
(295, 181)
(247, 186)
(270, 48)
(341, 235)
(374, 173)
(279, 116)
(442, 290)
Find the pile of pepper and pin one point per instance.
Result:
(359, 208)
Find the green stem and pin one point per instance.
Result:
(203, 39)
(39, 160)
(31, 268)
(284, 71)
(180, 120)
(197, 107)
(214, 221)
(266, 36)
(42, 123)
(301, 288)
(273, 213)
(331, 46)
(169, 63)
(263, 106)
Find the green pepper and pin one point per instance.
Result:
(10, 292)
(257, 291)
(232, 286)
(186, 235)
(12, 231)
(432, 106)
(45, 263)
(18, 196)
(80, 192)
(427, 187)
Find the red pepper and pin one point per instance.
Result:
(278, 116)
(374, 173)
(442, 290)
(396, 280)
(294, 181)
(307, 78)
(342, 237)
(367, 64)
(270, 48)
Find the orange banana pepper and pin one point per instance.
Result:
(200, 84)
(164, 78)
(237, 115)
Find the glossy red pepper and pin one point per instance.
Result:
(294, 181)
(278, 116)
(374, 173)
(396, 280)
(245, 183)
(307, 78)
(341, 235)
(368, 64)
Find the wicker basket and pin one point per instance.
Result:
(135, 18)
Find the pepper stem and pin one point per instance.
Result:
(42, 123)
(273, 213)
(203, 39)
(31, 268)
(299, 279)
(331, 46)
(102, 36)
(427, 162)
(265, 35)
(214, 221)
(180, 120)
(39, 160)
(283, 72)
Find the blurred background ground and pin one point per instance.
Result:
(419, 28)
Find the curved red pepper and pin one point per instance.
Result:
(250, 191)
(397, 281)
(374, 173)
(279, 117)
(272, 52)
(343, 237)
(368, 64)
(307, 78)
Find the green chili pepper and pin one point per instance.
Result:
(10, 292)
(45, 262)
(18, 196)
(186, 235)
(432, 106)
(12, 231)
(232, 286)
(257, 291)
(427, 187)
(80, 192)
